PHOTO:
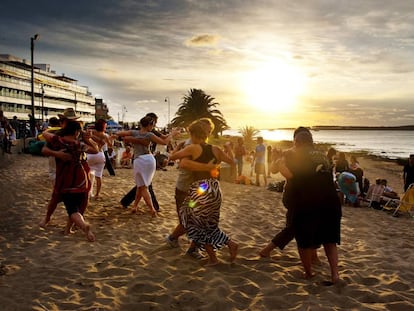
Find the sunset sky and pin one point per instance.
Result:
(269, 64)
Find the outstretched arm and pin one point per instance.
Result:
(189, 151)
(123, 133)
(166, 139)
(224, 156)
(135, 140)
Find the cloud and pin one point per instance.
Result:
(203, 40)
(134, 53)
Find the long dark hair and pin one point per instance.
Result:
(146, 121)
(71, 128)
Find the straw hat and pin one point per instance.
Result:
(69, 114)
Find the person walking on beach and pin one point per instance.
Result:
(200, 211)
(408, 172)
(72, 176)
(144, 161)
(239, 153)
(260, 161)
(269, 157)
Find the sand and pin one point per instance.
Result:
(129, 267)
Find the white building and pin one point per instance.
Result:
(52, 93)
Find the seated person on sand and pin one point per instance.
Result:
(126, 159)
(348, 187)
(388, 191)
(374, 193)
(357, 171)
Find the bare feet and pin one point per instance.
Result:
(44, 222)
(153, 213)
(212, 263)
(233, 247)
(335, 278)
(265, 252)
(307, 276)
(89, 234)
(68, 231)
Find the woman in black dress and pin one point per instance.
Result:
(316, 207)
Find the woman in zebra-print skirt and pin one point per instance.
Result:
(200, 215)
(200, 211)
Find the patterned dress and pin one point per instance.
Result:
(200, 211)
(200, 214)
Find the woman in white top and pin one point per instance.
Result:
(97, 161)
(144, 161)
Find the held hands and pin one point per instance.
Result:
(64, 156)
(175, 131)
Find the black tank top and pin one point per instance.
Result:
(206, 156)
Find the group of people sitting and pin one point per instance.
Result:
(380, 193)
(354, 188)
(349, 177)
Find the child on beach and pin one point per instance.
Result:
(72, 176)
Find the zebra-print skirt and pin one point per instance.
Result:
(200, 214)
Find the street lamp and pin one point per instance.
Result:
(123, 113)
(32, 119)
(76, 102)
(43, 98)
(167, 100)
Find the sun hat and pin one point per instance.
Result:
(69, 114)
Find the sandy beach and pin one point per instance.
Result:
(130, 267)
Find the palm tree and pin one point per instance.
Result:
(248, 133)
(196, 105)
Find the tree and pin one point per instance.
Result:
(198, 105)
(248, 133)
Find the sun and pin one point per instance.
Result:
(274, 86)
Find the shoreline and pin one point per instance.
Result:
(285, 144)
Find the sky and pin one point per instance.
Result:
(268, 64)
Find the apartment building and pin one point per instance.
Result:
(52, 92)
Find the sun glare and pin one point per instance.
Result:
(274, 86)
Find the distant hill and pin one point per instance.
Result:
(385, 128)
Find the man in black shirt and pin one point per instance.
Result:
(408, 172)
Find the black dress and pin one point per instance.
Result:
(315, 205)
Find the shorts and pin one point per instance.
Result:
(74, 202)
(259, 168)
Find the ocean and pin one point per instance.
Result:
(391, 144)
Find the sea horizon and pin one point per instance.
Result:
(384, 143)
